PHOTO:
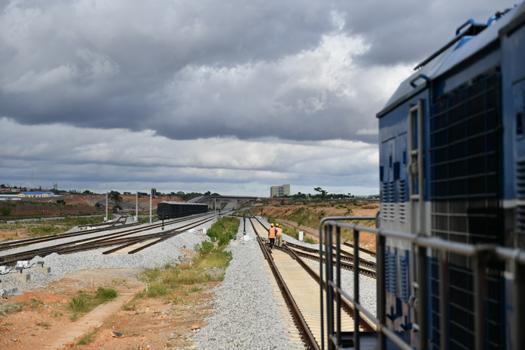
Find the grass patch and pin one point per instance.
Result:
(44, 325)
(85, 302)
(305, 216)
(86, 339)
(56, 314)
(7, 309)
(208, 264)
(293, 232)
(50, 227)
(223, 230)
(35, 304)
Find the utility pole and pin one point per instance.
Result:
(137, 207)
(107, 205)
(150, 206)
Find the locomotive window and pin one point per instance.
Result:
(396, 171)
(390, 161)
(404, 157)
(381, 173)
(519, 123)
(415, 170)
(414, 128)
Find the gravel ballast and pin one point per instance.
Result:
(247, 312)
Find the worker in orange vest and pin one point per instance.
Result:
(279, 235)
(271, 235)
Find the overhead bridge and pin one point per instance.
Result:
(218, 202)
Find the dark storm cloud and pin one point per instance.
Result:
(186, 69)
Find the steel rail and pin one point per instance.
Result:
(347, 256)
(28, 241)
(90, 243)
(344, 265)
(302, 325)
(110, 242)
(161, 237)
(368, 251)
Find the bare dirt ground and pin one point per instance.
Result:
(74, 204)
(307, 216)
(42, 318)
(92, 199)
(13, 234)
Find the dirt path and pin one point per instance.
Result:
(89, 322)
(41, 319)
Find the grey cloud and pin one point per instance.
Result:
(290, 69)
(98, 63)
(96, 157)
(405, 31)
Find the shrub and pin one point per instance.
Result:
(207, 265)
(105, 294)
(85, 302)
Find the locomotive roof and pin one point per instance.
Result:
(464, 47)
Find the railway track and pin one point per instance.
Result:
(367, 269)
(119, 239)
(364, 250)
(367, 266)
(299, 285)
(27, 241)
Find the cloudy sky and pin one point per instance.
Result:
(229, 96)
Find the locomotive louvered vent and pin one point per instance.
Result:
(520, 210)
(388, 199)
(434, 288)
(404, 269)
(520, 179)
(466, 162)
(465, 190)
(391, 270)
(402, 199)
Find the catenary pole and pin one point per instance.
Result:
(107, 207)
(150, 206)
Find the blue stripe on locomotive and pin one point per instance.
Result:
(500, 50)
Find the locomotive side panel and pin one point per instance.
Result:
(401, 208)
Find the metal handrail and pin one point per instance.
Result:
(478, 252)
(321, 295)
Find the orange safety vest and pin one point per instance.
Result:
(279, 232)
(271, 232)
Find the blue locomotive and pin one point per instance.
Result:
(452, 165)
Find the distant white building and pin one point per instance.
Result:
(280, 191)
(30, 195)
(36, 194)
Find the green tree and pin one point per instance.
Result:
(321, 191)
